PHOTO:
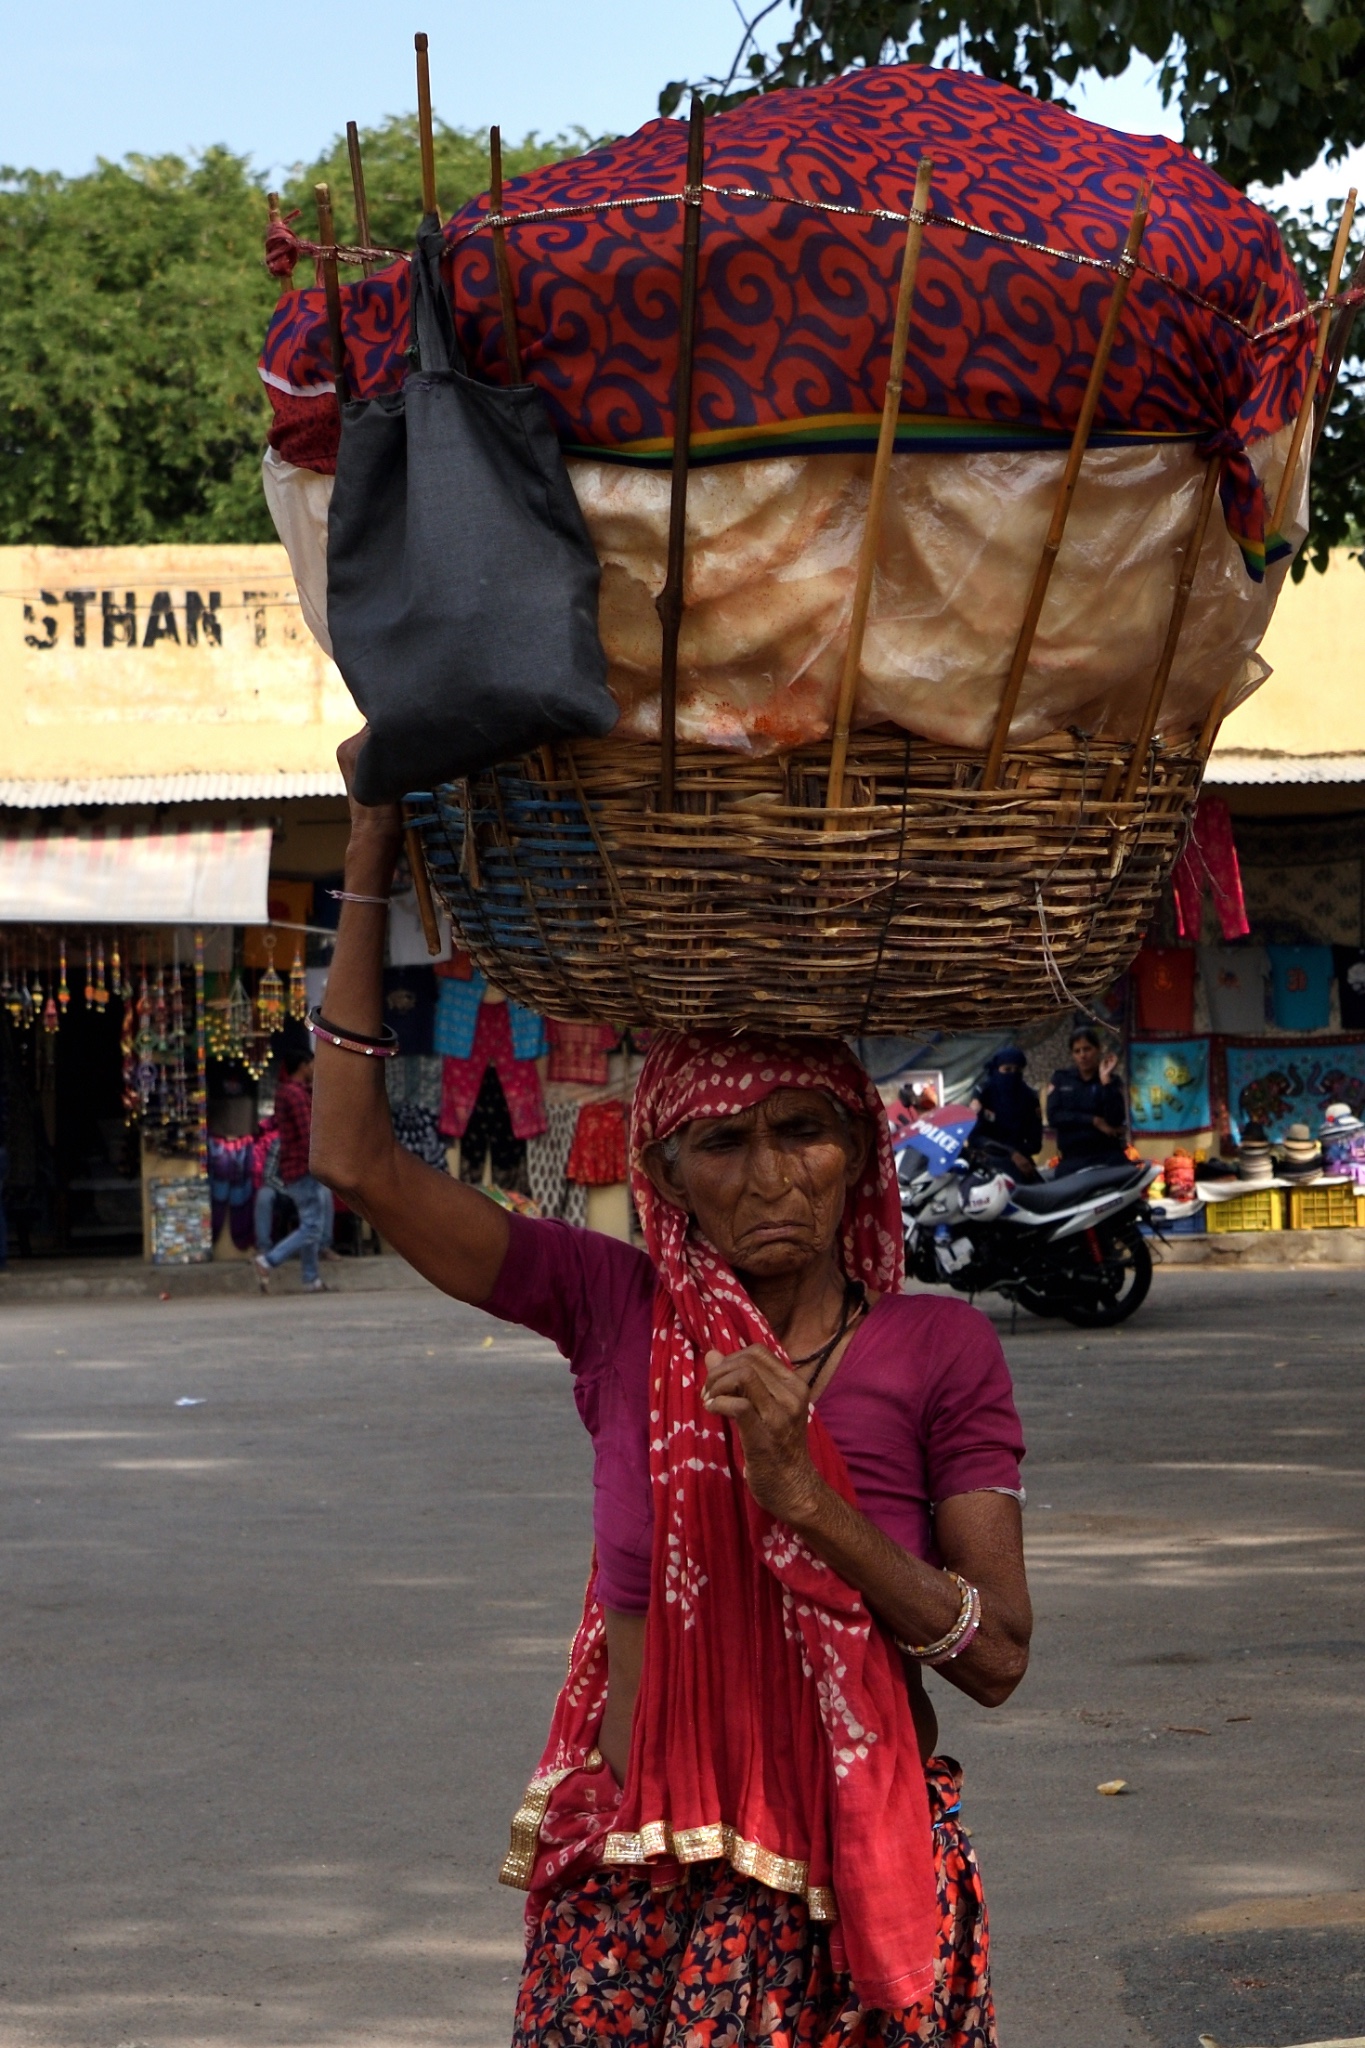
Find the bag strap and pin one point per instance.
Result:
(433, 317)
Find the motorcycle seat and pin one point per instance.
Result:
(1046, 1198)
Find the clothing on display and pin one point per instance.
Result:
(461, 1004)
(232, 1188)
(491, 1046)
(1349, 964)
(1235, 988)
(415, 1079)
(410, 1007)
(598, 1157)
(1278, 1083)
(553, 1193)
(488, 1134)
(1164, 979)
(1301, 987)
(579, 1052)
(1168, 1087)
(416, 1131)
(1209, 861)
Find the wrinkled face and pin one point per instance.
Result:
(1087, 1058)
(767, 1187)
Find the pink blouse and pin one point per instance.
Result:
(921, 1404)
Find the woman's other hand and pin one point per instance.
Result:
(382, 823)
(769, 1406)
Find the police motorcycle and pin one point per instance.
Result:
(1071, 1247)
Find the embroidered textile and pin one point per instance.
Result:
(745, 1625)
(1168, 1087)
(797, 302)
(579, 1052)
(598, 1158)
(723, 1958)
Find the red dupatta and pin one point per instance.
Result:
(773, 1727)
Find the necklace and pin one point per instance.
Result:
(855, 1305)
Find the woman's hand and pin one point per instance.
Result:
(1108, 1063)
(377, 824)
(770, 1407)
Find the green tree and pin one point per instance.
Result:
(132, 303)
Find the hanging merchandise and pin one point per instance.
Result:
(89, 973)
(1301, 986)
(1164, 979)
(63, 992)
(238, 1020)
(9, 994)
(101, 986)
(298, 986)
(270, 994)
(1209, 861)
(51, 1017)
(201, 1065)
(128, 1056)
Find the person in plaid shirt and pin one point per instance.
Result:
(294, 1125)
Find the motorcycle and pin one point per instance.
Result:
(1072, 1247)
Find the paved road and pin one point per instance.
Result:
(274, 1670)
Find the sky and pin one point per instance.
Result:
(90, 78)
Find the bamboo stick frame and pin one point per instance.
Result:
(1338, 342)
(505, 293)
(421, 884)
(362, 209)
(276, 220)
(1304, 420)
(669, 603)
(1066, 490)
(425, 134)
(876, 498)
(1152, 710)
(336, 339)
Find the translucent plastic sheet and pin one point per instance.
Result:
(772, 551)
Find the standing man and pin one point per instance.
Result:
(294, 1125)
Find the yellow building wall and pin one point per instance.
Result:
(161, 660)
(1314, 703)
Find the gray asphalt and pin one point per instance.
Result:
(274, 1670)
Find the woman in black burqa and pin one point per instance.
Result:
(1007, 1111)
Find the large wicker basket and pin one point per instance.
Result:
(926, 902)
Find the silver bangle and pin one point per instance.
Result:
(928, 1653)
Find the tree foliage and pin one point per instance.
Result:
(132, 306)
(1263, 87)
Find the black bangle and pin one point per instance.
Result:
(388, 1038)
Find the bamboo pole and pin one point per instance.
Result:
(876, 497)
(425, 135)
(327, 237)
(1061, 509)
(1304, 419)
(505, 295)
(1152, 711)
(1336, 354)
(362, 210)
(276, 219)
(669, 603)
(421, 884)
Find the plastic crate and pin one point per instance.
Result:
(1260, 1209)
(1330, 1208)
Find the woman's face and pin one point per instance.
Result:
(767, 1187)
(1087, 1058)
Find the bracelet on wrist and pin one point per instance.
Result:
(955, 1641)
(383, 1048)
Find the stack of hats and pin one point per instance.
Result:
(1254, 1159)
(1300, 1154)
(1343, 1140)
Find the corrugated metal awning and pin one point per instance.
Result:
(169, 789)
(135, 875)
(1233, 766)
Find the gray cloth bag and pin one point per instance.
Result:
(461, 581)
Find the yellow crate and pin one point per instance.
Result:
(1260, 1209)
(1329, 1208)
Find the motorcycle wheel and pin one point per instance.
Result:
(1115, 1290)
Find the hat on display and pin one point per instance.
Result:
(1302, 1155)
(1339, 1120)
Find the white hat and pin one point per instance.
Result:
(1339, 1120)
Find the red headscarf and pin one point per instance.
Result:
(773, 1726)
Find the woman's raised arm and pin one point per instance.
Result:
(451, 1233)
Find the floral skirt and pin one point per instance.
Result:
(721, 1961)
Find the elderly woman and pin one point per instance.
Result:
(806, 1489)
